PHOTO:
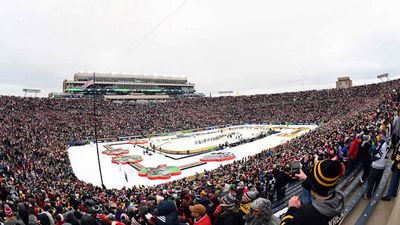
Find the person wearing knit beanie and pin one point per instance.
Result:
(8, 211)
(228, 200)
(249, 196)
(124, 217)
(261, 213)
(10, 218)
(247, 199)
(229, 211)
(324, 177)
(59, 219)
(199, 214)
(32, 220)
(328, 203)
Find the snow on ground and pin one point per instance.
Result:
(85, 165)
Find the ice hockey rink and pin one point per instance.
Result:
(85, 164)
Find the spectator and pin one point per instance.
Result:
(366, 156)
(167, 214)
(328, 203)
(199, 214)
(229, 214)
(282, 182)
(378, 156)
(394, 180)
(261, 213)
(395, 129)
(271, 182)
(353, 153)
(35, 169)
(247, 199)
(9, 217)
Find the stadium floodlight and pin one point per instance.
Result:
(385, 75)
(225, 92)
(29, 90)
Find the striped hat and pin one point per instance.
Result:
(324, 176)
(228, 200)
(8, 211)
(251, 195)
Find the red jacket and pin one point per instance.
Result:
(205, 220)
(353, 151)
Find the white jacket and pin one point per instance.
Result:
(381, 163)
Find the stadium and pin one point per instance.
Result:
(184, 112)
(264, 133)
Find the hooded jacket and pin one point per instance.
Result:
(267, 218)
(353, 151)
(229, 216)
(317, 212)
(167, 214)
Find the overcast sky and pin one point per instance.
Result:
(255, 46)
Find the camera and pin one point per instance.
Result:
(295, 167)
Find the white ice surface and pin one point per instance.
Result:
(85, 165)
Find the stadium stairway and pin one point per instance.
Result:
(362, 211)
(394, 218)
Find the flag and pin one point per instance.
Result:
(88, 84)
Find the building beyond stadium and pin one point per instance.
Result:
(130, 85)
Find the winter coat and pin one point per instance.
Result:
(271, 186)
(317, 212)
(88, 220)
(353, 151)
(205, 220)
(396, 162)
(282, 180)
(344, 153)
(364, 152)
(380, 155)
(254, 221)
(167, 214)
(23, 213)
(266, 217)
(244, 209)
(228, 217)
(13, 221)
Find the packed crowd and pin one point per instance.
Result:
(38, 185)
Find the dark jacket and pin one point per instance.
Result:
(282, 180)
(167, 214)
(317, 212)
(396, 162)
(228, 217)
(364, 152)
